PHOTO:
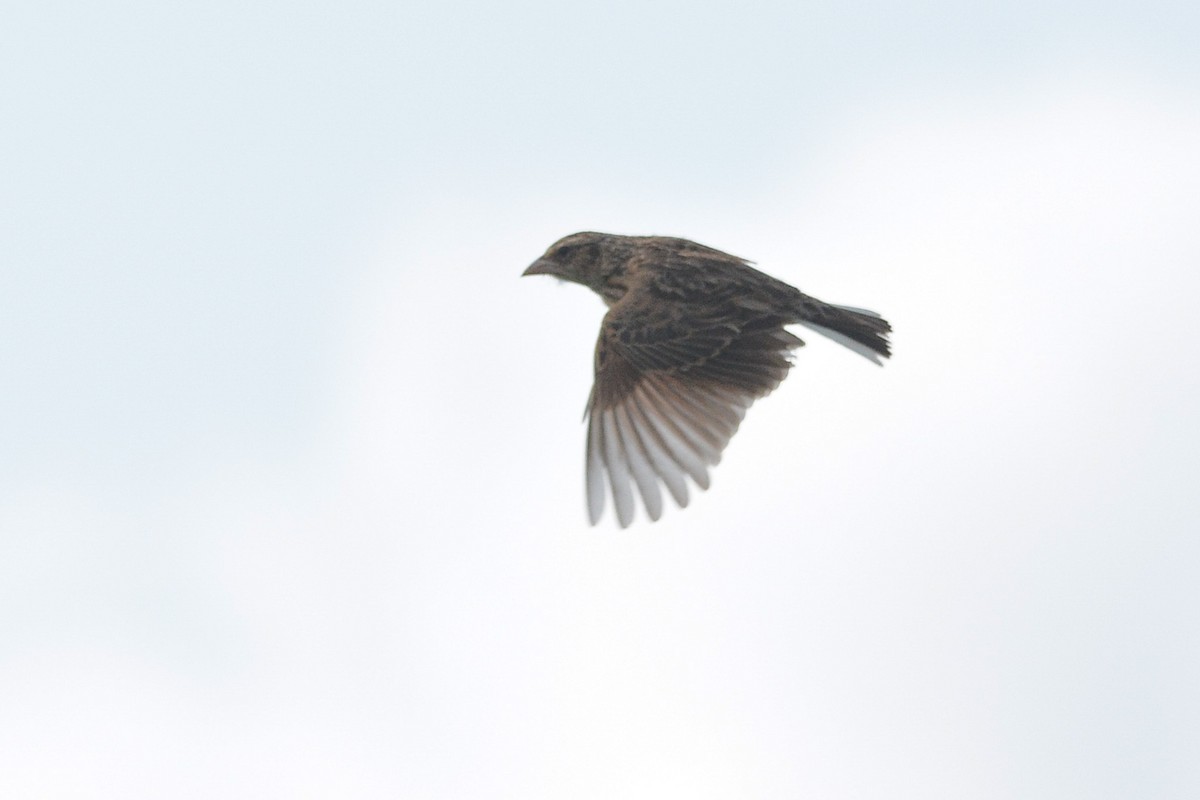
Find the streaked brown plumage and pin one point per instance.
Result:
(692, 338)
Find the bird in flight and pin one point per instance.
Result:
(693, 336)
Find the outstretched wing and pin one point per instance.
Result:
(672, 384)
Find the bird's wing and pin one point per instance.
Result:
(673, 381)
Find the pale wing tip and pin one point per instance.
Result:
(625, 514)
(594, 510)
(616, 463)
(682, 498)
(594, 474)
(638, 458)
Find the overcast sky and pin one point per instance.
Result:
(291, 464)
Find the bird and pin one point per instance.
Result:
(692, 337)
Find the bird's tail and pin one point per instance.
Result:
(864, 332)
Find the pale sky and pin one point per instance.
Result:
(291, 485)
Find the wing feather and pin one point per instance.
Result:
(595, 470)
(644, 474)
(666, 465)
(616, 463)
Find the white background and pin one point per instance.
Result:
(291, 492)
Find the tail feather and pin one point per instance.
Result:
(862, 331)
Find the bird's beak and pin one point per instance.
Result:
(543, 266)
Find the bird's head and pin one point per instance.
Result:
(596, 260)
